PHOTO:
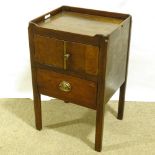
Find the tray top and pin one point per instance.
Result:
(81, 23)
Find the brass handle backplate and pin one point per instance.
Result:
(65, 86)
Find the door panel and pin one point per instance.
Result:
(49, 51)
(83, 58)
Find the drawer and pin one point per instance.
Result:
(65, 87)
(75, 57)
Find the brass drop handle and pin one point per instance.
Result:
(65, 86)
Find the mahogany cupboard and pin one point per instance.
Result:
(81, 56)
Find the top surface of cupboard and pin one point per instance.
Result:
(81, 23)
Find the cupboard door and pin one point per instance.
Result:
(82, 58)
(49, 51)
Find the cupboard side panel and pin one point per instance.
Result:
(117, 57)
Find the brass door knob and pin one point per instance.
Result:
(66, 56)
(65, 86)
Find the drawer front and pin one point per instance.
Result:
(65, 87)
(70, 56)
